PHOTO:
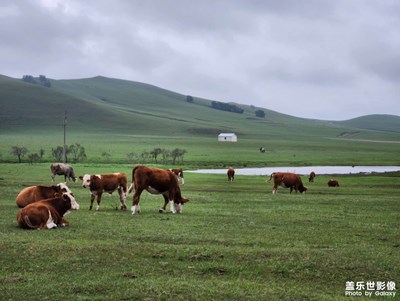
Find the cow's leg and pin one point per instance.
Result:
(122, 198)
(136, 198)
(172, 207)
(162, 209)
(92, 197)
(64, 223)
(50, 223)
(275, 189)
(98, 200)
(170, 198)
(52, 177)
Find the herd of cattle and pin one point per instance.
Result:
(44, 207)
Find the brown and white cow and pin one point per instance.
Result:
(333, 183)
(311, 177)
(179, 174)
(62, 169)
(156, 181)
(105, 183)
(33, 194)
(231, 174)
(287, 180)
(48, 213)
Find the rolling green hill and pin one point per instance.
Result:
(102, 107)
(126, 106)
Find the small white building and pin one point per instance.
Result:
(227, 137)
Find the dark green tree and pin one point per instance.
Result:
(155, 153)
(19, 151)
(57, 153)
(260, 113)
(77, 151)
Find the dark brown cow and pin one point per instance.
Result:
(231, 174)
(179, 174)
(156, 181)
(33, 194)
(333, 183)
(105, 183)
(47, 214)
(311, 177)
(62, 169)
(287, 180)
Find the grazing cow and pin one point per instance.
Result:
(311, 177)
(105, 183)
(48, 213)
(179, 174)
(156, 181)
(231, 174)
(62, 169)
(287, 180)
(33, 194)
(333, 183)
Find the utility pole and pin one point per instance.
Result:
(65, 138)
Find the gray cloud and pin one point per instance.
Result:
(315, 58)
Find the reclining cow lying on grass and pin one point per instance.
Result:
(33, 194)
(47, 214)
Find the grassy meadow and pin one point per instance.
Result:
(234, 241)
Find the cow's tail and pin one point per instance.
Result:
(270, 178)
(24, 219)
(130, 189)
(132, 186)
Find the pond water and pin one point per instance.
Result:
(303, 170)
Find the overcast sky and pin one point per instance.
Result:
(322, 59)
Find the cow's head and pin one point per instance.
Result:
(85, 180)
(63, 187)
(303, 189)
(179, 204)
(69, 197)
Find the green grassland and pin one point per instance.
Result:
(234, 241)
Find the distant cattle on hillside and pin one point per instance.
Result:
(333, 183)
(61, 169)
(287, 180)
(311, 177)
(179, 174)
(231, 174)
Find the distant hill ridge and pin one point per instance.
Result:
(123, 106)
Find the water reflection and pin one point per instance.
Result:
(303, 170)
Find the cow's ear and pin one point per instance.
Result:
(81, 177)
(58, 195)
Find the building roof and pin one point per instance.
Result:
(227, 134)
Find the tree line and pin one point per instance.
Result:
(74, 152)
(158, 154)
(42, 80)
